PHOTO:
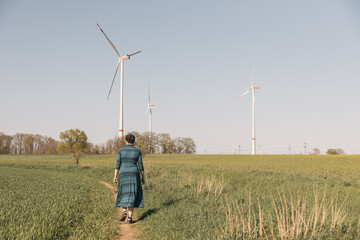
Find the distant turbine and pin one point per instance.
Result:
(121, 62)
(149, 111)
(252, 89)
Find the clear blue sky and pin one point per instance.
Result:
(56, 69)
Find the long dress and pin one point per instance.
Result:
(129, 193)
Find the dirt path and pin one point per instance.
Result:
(126, 231)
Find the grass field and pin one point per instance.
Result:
(186, 197)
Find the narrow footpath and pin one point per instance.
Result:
(126, 231)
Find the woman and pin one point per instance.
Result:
(128, 165)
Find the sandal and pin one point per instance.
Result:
(129, 220)
(123, 217)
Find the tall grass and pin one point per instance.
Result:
(190, 200)
(37, 203)
(206, 186)
(186, 197)
(288, 218)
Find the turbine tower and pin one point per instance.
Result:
(149, 111)
(252, 89)
(121, 64)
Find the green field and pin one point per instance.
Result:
(186, 197)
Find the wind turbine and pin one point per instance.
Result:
(252, 89)
(120, 63)
(149, 111)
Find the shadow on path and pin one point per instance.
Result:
(148, 213)
(155, 210)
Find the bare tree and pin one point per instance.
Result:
(179, 145)
(316, 151)
(50, 146)
(332, 151)
(166, 144)
(340, 151)
(5, 143)
(29, 143)
(18, 143)
(109, 146)
(189, 144)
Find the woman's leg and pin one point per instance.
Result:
(130, 211)
(123, 216)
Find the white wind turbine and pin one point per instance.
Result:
(252, 89)
(149, 111)
(120, 63)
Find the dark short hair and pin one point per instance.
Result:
(130, 138)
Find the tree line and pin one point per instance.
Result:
(148, 143)
(22, 143)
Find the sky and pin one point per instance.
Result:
(56, 69)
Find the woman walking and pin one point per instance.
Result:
(127, 172)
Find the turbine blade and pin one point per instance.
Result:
(147, 109)
(117, 68)
(134, 53)
(117, 53)
(149, 94)
(247, 91)
(252, 75)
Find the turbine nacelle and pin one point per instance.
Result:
(129, 55)
(247, 91)
(149, 109)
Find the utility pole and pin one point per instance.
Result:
(304, 148)
(289, 149)
(239, 149)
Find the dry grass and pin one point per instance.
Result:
(209, 186)
(289, 218)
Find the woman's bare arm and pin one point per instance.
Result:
(116, 175)
(142, 177)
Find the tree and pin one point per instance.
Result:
(89, 148)
(146, 142)
(49, 146)
(18, 143)
(179, 145)
(166, 143)
(119, 142)
(149, 143)
(332, 151)
(5, 143)
(73, 142)
(109, 146)
(316, 151)
(189, 145)
(29, 144)
(340, 151)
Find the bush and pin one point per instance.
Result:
(332, 151)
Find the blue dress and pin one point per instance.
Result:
(129, 162)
